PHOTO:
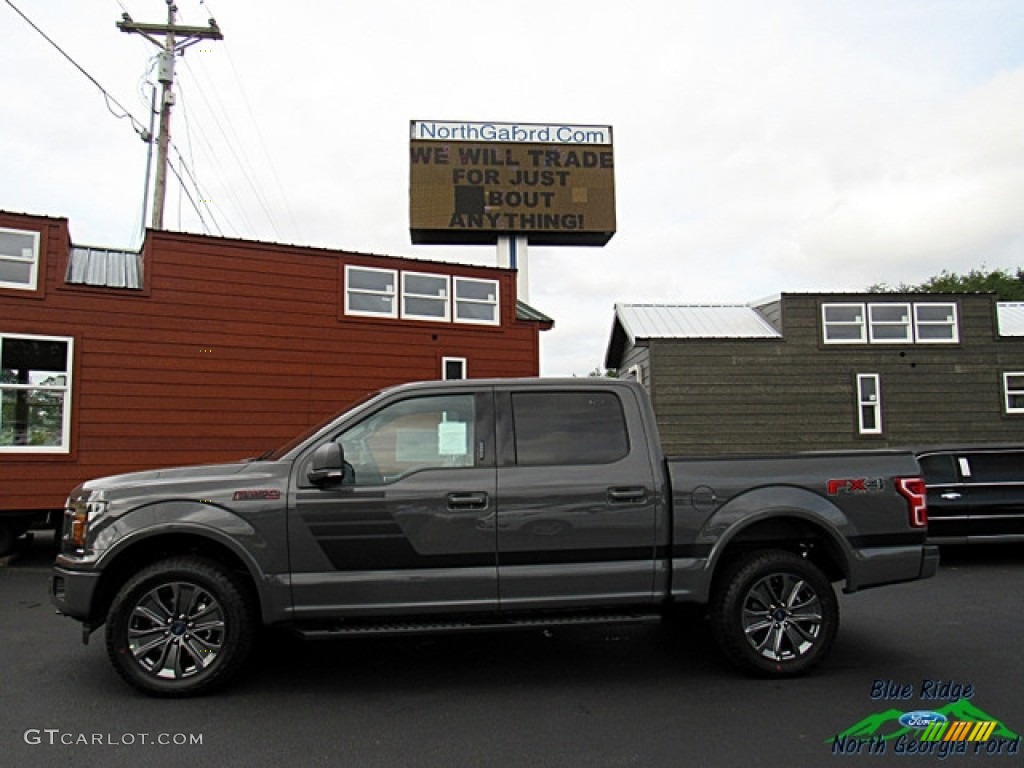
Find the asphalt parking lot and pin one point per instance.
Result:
(636, 696)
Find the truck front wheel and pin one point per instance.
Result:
(774, 614)
(180, 627)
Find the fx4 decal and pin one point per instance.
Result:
(856, 485)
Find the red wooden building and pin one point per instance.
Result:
(205, 349)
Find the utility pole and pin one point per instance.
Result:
(176, 39)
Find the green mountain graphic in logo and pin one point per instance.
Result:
(886, 725)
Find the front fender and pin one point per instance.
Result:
(265, 560)
(209, 520)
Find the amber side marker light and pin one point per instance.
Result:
(79, 527)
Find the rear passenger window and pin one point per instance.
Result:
(997, 467)
(558, 428)
(938, 469)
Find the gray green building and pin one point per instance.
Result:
(827, 371)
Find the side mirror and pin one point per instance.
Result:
(328, 464)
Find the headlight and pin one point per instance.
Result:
(79, 512)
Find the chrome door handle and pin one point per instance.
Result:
(951, 496)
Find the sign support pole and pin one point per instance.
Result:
(513, 253)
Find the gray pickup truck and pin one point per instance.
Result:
(472, 505)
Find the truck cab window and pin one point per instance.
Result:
(568, 428)
(409, 436)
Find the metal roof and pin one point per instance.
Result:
(104, 267)
(1010, 315)
(525, 312)
(693, 321)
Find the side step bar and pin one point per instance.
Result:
(370, 628)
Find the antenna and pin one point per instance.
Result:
(176, 39)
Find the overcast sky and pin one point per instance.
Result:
(760, 147)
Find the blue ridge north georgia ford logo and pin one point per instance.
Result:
(956, 727)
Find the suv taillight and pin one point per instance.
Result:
(914, 491)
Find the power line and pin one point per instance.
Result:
(236, 149)
(185, 189)
(188, 167)
(268, 157)
(108, 98)
(214, 158)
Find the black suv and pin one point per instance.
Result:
(974, 494)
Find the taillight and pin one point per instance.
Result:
(914, 491)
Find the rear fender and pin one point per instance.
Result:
(780, 517)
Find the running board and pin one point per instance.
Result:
(370, 628)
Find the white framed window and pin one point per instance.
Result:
(889, 323)
(1013, 392)
(35, 394)
(453, 368)
(869, 404)
(19, 259)
(936, 323)
(476, 301)
(371, 292)
(425, 296)
(843, 323)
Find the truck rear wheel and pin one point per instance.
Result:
(180, 627)
(774, 614)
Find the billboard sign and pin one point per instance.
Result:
(472, 182)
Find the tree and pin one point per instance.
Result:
(1006, 286)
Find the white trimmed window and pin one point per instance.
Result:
(869, 404)
(889, 323)
(936, 323)
(1013, 392)
(371, 292)
(35, 394)
(425, 297)
(843, 323)
(476, 301)
(19, 259)
(453, 368)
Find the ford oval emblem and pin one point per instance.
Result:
(921, 718)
